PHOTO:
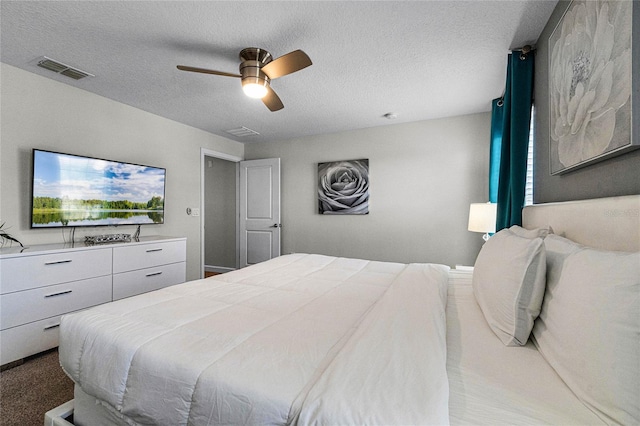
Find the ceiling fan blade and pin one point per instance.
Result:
(286, 64)
(272, 101)
(206, 71)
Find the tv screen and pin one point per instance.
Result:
(71, 190)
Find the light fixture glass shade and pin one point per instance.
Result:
(482, 217)
(254, 87)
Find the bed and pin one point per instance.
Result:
(311, 339)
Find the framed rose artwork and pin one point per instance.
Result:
(590, 84)
(343, 187)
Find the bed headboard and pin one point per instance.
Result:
(605, 223)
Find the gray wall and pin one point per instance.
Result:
(612, 177)
(423, 176)
(220, 213)
(38, 112)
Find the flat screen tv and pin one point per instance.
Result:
(72, 190)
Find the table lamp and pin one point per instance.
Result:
(482, 218)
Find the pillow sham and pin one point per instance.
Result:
(508, 283)
(531, 233)
(589, 327)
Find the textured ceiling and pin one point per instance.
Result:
(420, 60)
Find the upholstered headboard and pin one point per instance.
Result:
(604, 223)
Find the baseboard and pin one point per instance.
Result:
(218, 269)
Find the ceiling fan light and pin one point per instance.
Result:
(254, 87)
(254, 90)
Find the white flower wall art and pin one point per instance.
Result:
(590, 83)
(343, 187)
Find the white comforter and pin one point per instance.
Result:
(298, 339)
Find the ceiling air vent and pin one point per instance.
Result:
(63, 69)
(242, 132)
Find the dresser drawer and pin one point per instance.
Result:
(149, 279)
(140, 256)
(44, 302)
(24, 273)
(25, 340)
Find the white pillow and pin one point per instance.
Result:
(589, 327)
(531, 233)
(508, 282)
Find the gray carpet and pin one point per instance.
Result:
(33, 388)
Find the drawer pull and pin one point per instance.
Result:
(152, 250)
(154, 274)
(58, 262)
(52, 326)
(58, 294)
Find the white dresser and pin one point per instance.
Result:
(41, 283)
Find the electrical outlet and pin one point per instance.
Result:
(195, 211)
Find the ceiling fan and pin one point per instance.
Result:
(257, 70)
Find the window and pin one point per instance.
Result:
(528, 189)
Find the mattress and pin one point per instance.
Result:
(492, 384)
(298, 339)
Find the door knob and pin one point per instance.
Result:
(276, 225)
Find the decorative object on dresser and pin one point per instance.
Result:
(107, 238)
(41, 283)
(5, 236)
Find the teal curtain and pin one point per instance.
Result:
(516, 120)
(497, 120)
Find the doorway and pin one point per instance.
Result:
(227, 241)
(219, 212)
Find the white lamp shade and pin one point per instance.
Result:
(255, 90)
(255, 86)
(482, 217)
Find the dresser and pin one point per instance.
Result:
(43, 282)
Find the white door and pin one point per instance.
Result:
(259, 210)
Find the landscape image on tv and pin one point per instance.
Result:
(70, 190)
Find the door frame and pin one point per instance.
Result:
(204, 152)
